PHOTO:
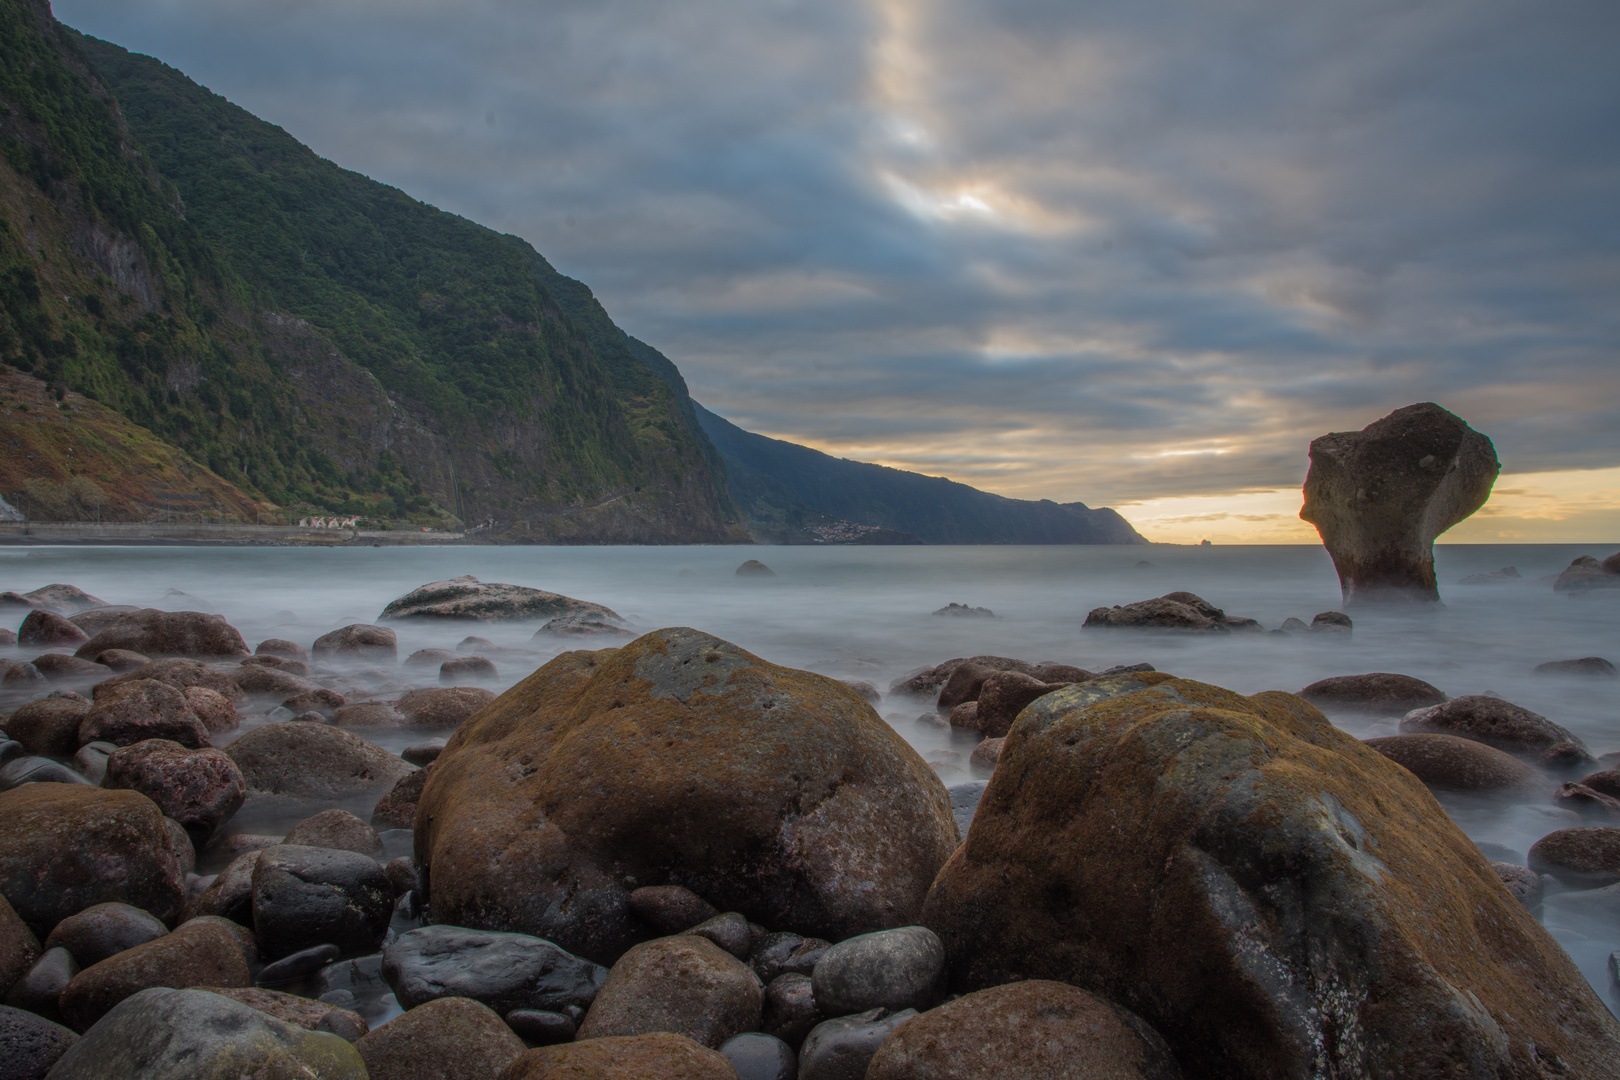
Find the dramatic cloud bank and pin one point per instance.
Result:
(1121, 251)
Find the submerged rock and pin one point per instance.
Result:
(1381, 495)
(1321, 894)
(180, 673)
(468, 598)
(1581, 858)
(772, 792)
(964, 611)
(1497, 723)
(1445, 761)
(1180, 611)
(1585, 667)
(1004, 695)
(755, 569)
(58, 599)
(358, 642)
(1495, 577)
(47, 628)
(1376, 692)
(1588, 573)
(151, 632)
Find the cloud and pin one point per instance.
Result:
(1032, 245)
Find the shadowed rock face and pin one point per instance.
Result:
(1381, 495)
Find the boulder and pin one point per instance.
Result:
(965, 717)
(1317, 890)
(443, 706)
(61, 599)
(448, 1039)
(103, 930)
(306, 896)
(903, 968)
(163, 1034)
(429, 657)
(397, 809)
(314, 761)
(36, 770)
(201, 789)
(728, 930)
(196, 954)
(842, 1048)
(1035, 1028)
(8, 638)
(1380, 496)
(1525, 884)
(278, 663)
(368, 714)
(15, 676)
(537, 1027)
(338, 830)
(64, 847)
(462, 668)
(987, 754)
(1588, 573)
(144, 709)
(19, 948)
(180, 673)
(96, 620)
(753, 568)
(90, 760)
(633, 1057)
(60, 667)
(1453, 764)
(151, 632)
(758, 1056)
(1003, 696)
(40, 988)
(1581, 858)
(273, 681)
(30, 1044)
(869, 693)
(319, 702)
(954, 610)
(785, 952)
(467, 598)
(926, 681)
(1584, 667)
(48, 726)
(1497, 723)
(298, 966)
(230, 896)
(670, 909)
(46, 628)
(580, 625)
(678, 758)
(1379, 692)
(790, 1008)
(358, 642)
(1588, 802)
(502, 971)
(686, 985)
(300, 1012)
(289, 650)
(214, 709)
(1173, 611)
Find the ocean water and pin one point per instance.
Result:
(866, 613)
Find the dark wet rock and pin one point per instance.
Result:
(15, 676)
(785, 952)
(30, 1044)
(1588, 573)
(428, 657)
(168, 633)
(336, 829)
(868, 692)
(281, 647)
(1581, 858)
(273, 681)
(47, 628)
(230, 896)
(104, 930)
(448, 1039)
(180, 673)
(964, 611)
(423, 754)
(729, 931)
(1525, 884)
(1588, 802)
(757, 1056)
(925, 681)
(122, 660)
(19, 948)
(36, 770)
(214, 709)
(1586, 666)
(314, 761)
(670, 909)
(502, 971)
(201, 789)
(986, 755)
(1497, 723)
(96, 620)
(790, 1008)
(164, 1034)
(1035, 1028)
(965, 717)
(842, 1048)
(842, 832)
(143, 709)
(967, 677)
(48, 726)
(368, 714)
(402, 874)
(632, 1057)
(903, 968)
(462, 668)
(1607, 782)
(195, 954)
(1181, 827)
(1380, 496)
(684, 984)
(443, 706)
(580, 625)
(306, 896)
(468, 598)
(1494, 577)
(90, 760)
(1454, 764)
(358, 642)
(320, 701)
(1179, 611)
(60, 667)
(1003, 696)
(538, 1027)
(1378, 692)
(60, 599)
(65, 847)
(299, 1012)
(40, 988)
(300, 965)
(397, 808)
(753, 568)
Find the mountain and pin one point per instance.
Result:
(316, 339)
(790, 493)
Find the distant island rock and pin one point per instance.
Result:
(963, 611)
(468, 598)
(755, 568)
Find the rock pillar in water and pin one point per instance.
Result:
(1381, 495)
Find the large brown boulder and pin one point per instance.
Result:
(48, 726)
(1381, 692)
(180, 673)
(143, 709)
(683, 759)
(1501, 724)
(313, 761)
(684, 984)
(358, 642)
(467, 598)
(627, 1057)
(151, 632)
(60, 599)
(1004, 695)
(1182, 845)
(47, 628)
(451, 1038)
(1379, 497)
(200, 789)
(64, 847)
(1453, 764)
(1034, 1029)
(197, 954)
(442, 706)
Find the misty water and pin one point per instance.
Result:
(865, 613)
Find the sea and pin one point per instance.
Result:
(869, 613)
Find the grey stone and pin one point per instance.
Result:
(790, 1008)
(104, 930)
(304, 896)
(30, 1044)
(300, 965)
(757, 1056)
(783, 952)
(41, 988)
(902, 968)
(728, 930)
(841, 1048)
(36, 770)
(503, 971)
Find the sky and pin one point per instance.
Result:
(1135, 253)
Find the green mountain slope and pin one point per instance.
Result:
(786, 489)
